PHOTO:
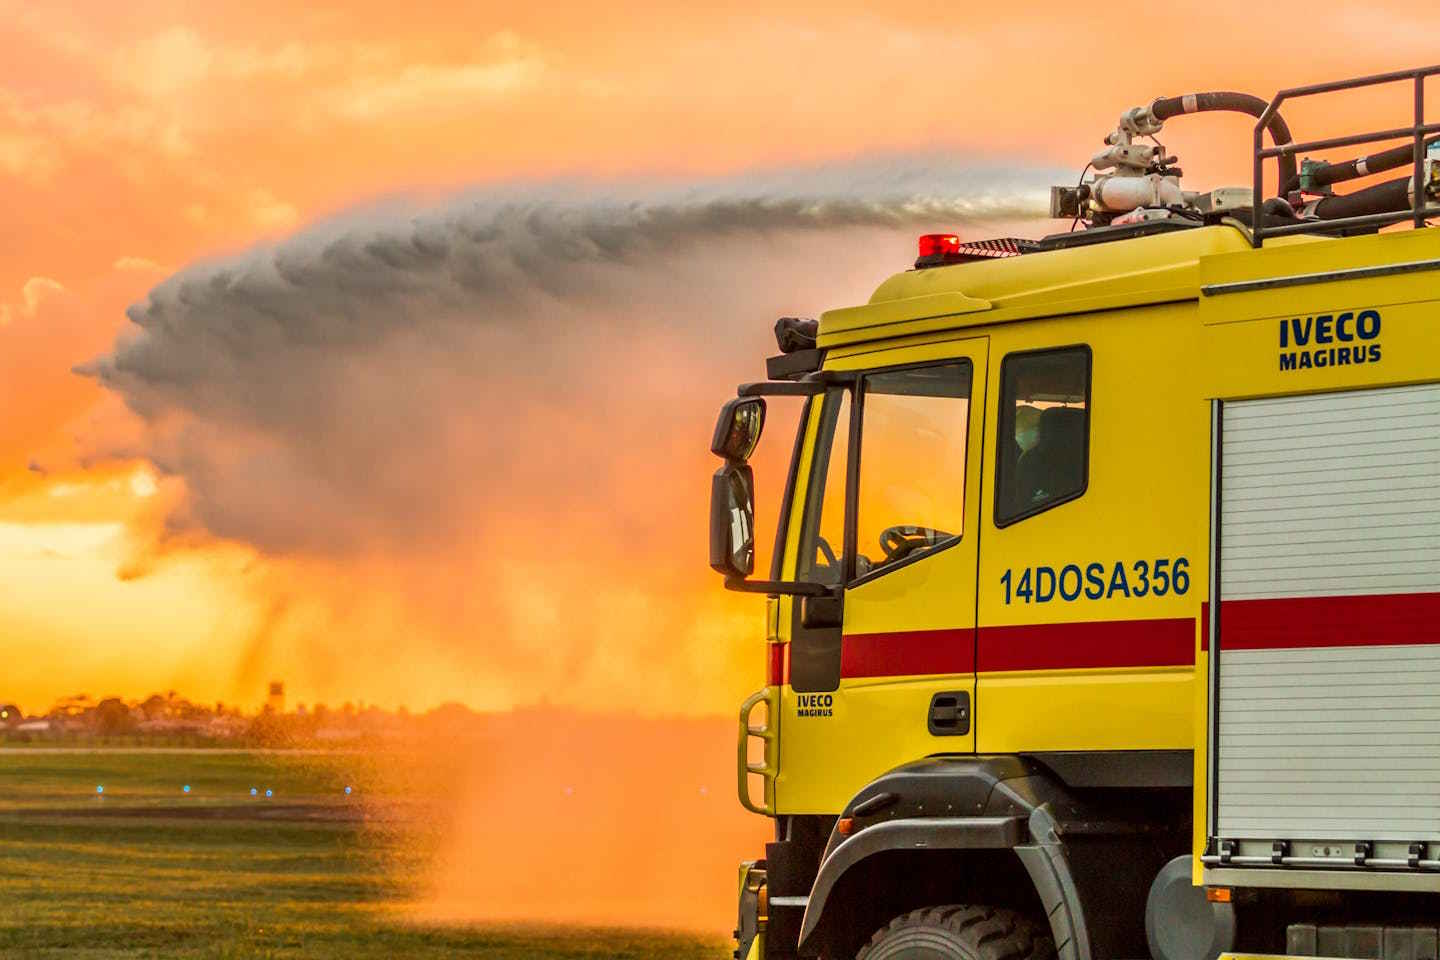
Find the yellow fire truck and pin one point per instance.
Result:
(1104, 620)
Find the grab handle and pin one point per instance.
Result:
(768, 767)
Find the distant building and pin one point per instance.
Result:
(226, 726)
(275, 703)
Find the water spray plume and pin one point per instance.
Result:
(433, 423)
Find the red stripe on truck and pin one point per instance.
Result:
(1299, 622)
(1166, 642)
(908, 652)
(1285, 623)
(1051, 646)
(777, 672)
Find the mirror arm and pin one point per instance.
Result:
(813, 385)
(794, 588)
(781, 388)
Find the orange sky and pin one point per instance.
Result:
(138, 138)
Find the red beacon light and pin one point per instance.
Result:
(940, 249)
(939, 244)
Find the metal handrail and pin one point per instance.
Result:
(1282, 149)
(769, 767)
(1419, 209)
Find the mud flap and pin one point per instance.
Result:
(1049, 870)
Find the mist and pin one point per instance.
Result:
(581, 818)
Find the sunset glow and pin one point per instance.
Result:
(137, 140)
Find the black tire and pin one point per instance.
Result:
(960, 933)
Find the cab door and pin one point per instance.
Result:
(889, 518)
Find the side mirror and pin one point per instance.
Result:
(732, 520)
(737, 431)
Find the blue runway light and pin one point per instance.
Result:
(187, 788)
(253, 791)
(269, 792)
(100, 788)
(347, 791)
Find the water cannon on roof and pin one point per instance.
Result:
(1135, 187)
(1138, 182)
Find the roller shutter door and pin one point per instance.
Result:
(1329, 665)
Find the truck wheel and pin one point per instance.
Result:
(960, 933)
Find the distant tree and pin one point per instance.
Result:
(269, 729)
(76, 705)
(113, 717)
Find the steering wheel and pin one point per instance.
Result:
(825, 551)
(902, 540)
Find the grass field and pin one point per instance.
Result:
(147, 870)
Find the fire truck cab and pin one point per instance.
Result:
(1104, 620)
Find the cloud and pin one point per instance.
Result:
(26, 151)
(37, 138)
(176, 60)
(170, 62)
(138, 264)
(270, 213)
(35, 291)
(511, 65)
(292, 61)
(164, 94)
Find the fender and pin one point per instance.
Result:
(957, 803)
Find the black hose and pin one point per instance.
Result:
(1375, 163)
(1278, 212)
(1231, 102)
(1392, 196)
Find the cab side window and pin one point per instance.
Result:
(913, 447)
(1043, 460)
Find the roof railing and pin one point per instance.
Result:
(1419, 210)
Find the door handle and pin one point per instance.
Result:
(950, 713)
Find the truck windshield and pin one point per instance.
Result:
(911, 496)
(772, 463)
(823, 536)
